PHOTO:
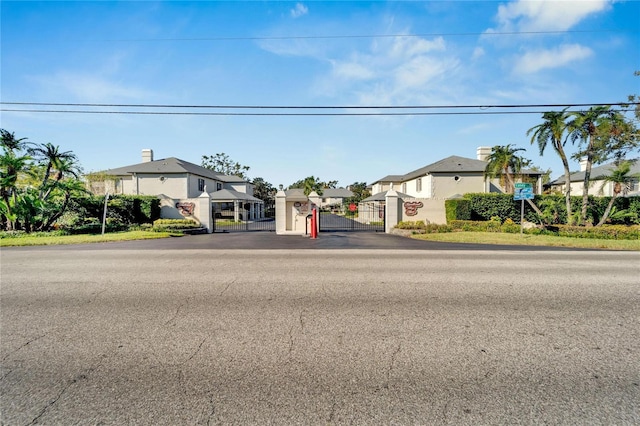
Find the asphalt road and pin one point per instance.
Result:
(215, 336)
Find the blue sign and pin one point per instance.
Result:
(523, 191)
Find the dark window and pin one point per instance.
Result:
(218, 186)
(200, 185)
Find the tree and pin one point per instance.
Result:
(31, 199)
(594, 130)
(61, 162)
(263, 189)
(552, 131)
(621, 180)
(12, 166)
(221, 163)
(309, 184)
(505, 163)
(360, 191)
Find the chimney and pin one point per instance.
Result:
(483, 152)
(583, 164)
(147, 155)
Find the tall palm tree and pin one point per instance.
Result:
(552, 131)
(505, 163)
(593, 129)
(621, 180)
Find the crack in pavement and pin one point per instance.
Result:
(76, 379)
(227, 287)
(22, 346)
(390, 369)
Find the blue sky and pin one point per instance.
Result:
(308, 54)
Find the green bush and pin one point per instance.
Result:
(167, 225)
(606, 232)
(457, 209)
(411, 225)
(127, 209)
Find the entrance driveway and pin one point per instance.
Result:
(270, 240)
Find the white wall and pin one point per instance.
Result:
(429, 210)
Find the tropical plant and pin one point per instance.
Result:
(309, 185)
(552, 131)
(56, 160)
(621, 179)
(36, 183)
(505, 163)
(593, 130)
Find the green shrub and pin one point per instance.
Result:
(167, 225)
(457, 209)
(411, 225)
(607, 232)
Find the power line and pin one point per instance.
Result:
(355, 36)
(281, 114)
(319, 107)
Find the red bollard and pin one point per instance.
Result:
(314, 224)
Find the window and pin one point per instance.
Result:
(218, 186)
(200, 185)
(404, 187)
(419, 184)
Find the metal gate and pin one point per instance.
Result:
(224, 220)
(350, 217)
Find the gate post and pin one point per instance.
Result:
(204, 211)
(392, 213)
(281, 212)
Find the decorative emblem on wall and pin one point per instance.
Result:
(185, 209)
(411, 207)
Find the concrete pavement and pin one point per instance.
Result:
(195, 336)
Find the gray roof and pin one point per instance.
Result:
(172, 165)
(452, 164)
(336, 193)
(597, 173)
(382, 196)
(231, 195)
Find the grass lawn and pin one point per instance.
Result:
(529, 240)
(27, 240)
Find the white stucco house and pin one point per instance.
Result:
(598, 186)
(178, 184)
(450, 177)
(421, 193)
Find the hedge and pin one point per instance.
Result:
(483, 207)
(126, 209)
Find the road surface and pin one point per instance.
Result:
(193, 336)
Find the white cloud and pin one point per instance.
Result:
(394, 69)
(299, 10)
(538, 15)
(537, 60)
(478, 52)
(90, 88)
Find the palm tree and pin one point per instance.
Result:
(621, 180)
(10, 144)
(594, 128)
(505, 163)
(11, 167)
(61, 162)
(551, 131)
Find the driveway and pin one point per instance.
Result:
(272, 241)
